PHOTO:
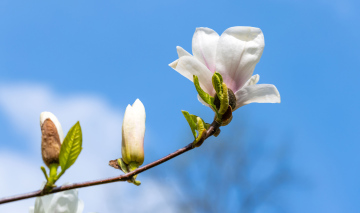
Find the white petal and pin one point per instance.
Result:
(204, 44)
(80, 207)
(64, 202)
(181, 52)
(259, 93)
(52, 117)
(253, 80)
(189, 66)
(61, 202)
(174, 64)
(139, 116)
(239, 50)
(139, 109)
(40, 205)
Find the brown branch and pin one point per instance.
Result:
(212, 129)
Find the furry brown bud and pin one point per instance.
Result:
(51, 138)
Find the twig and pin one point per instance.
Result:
(212, 129)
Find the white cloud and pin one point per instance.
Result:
(17, 175)
(101, 125)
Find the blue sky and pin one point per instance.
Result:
(86, 60)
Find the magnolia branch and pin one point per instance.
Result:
(210, 131)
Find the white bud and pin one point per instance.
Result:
(133, 131)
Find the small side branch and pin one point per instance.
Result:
(212, 129)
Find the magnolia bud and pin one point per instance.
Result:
(133, 131)
(51, 139)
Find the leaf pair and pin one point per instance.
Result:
(221, 92)
(196, 124)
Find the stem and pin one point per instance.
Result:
(51, 179)
(212, 129)
(53, 172)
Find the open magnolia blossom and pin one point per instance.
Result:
(234, 55)
(51, 139)
(61, 202)
(133, 131)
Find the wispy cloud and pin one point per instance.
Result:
(101, 124)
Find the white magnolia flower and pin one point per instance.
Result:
(133, 131)
(61, 202)
(51, 139)
(234, 55)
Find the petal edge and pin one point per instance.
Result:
(260, 93)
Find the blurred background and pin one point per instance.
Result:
(87, 60)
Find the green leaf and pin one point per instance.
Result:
(190, 120)
(201, 130)
(195, 119)
(137, 183)
(217, 84)
(224, 101)
(203, 95)
(71, 147)
(219, 76)
(200, 125)
(206, 97)
(122, 165)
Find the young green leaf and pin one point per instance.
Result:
(190, 120)
(71, 147)
(217, 84)
(137, 182)
(201, 129)
(206, 97)
(224, 101)
(218, 75)
(195, 119)
(122, 165)
(200, 125)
